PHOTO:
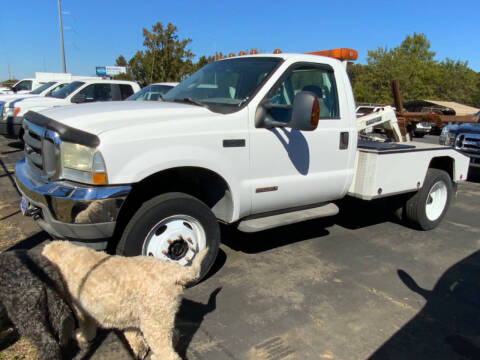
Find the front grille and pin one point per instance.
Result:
(42, 152)
(468, 142)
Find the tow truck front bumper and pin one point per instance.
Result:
(69, 210)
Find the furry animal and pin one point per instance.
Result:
(139, 295)
(29, 291)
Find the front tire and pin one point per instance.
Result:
(426, 209)
(173, 227)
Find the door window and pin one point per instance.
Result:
(97, 92)
(23, 85)
(318, 80)
(125, 91)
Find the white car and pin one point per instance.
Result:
(422, 128)
(153, 92)
(76, 92)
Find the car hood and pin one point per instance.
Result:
(97, 118)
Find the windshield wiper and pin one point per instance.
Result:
(189, 100)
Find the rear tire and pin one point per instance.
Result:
(174, 227)
(426, 209)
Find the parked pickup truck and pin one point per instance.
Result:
(153, 92)
(464, 138)
(258, 141)
(76, 92)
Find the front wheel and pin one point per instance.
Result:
(428, 206)
(172, 227)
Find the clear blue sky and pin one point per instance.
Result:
(97, 31)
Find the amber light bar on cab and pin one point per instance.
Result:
(340, 54)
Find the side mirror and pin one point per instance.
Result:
(303, 115)
(305, 112)
(79, 98)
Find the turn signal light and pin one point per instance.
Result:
(241, 53)
(99, 178)
(16, 111)
(315, 113)
(231, 55)
(277, 51)
(340, 54)
(253, 52)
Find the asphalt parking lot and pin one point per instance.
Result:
(357, 286)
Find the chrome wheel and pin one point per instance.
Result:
(177, 238)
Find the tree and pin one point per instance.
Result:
(165, 58)
(419, 74)
(412, 63)
(121, 61)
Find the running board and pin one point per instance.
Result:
(273, 221)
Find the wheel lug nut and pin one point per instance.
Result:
(187, 258)
(192, 249)
(164, 252)
(180, 237)
(190, 240)
(169, 241)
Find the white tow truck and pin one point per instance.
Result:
(258, 141)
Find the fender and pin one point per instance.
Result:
(142, 166)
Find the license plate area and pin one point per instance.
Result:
(23, 205)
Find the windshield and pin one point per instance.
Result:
(67, 90)
(40, 89)
(223, 86)
(150, 92)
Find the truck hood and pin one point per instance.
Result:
(8, 98)
(38, 103)
(466, 128)
(97, 118)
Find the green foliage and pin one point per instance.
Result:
(419, 74)
(8, 83)
(165, 57)
(121, 61)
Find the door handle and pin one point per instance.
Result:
(344, 136)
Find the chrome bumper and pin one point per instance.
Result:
(69, 210)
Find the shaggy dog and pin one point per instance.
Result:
(139, 295)
(29, 292)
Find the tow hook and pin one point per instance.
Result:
(33, 211)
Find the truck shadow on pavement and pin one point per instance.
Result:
(354, 214)
(448, 326)
(252, 243)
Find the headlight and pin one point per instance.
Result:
(83, 164)
(450, 139)
(10, 112)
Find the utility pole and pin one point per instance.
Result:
(61, 36)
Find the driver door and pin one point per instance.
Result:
(292, 168)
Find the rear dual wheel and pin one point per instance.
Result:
(429, 205)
